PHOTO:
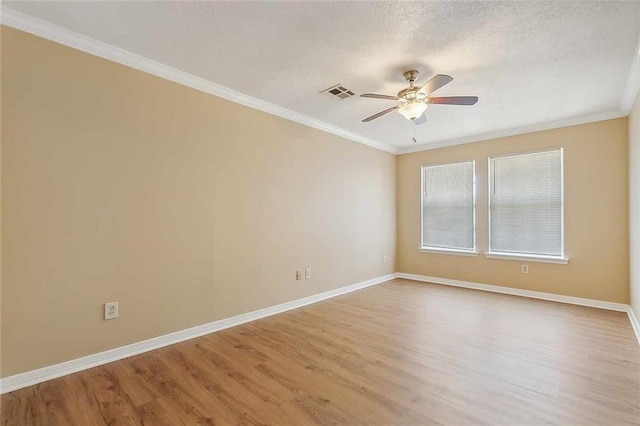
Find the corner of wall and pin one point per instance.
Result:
(634, 207)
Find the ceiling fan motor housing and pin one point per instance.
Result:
(411, 94)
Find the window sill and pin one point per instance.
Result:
(437, 250)
(528, 257)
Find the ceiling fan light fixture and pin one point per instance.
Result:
(413, 110)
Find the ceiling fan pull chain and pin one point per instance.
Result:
(414, 132)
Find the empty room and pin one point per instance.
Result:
(320, 213)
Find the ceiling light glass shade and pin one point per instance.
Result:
(413, 110)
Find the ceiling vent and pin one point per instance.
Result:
(338, 92)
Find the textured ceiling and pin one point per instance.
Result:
(529, 62)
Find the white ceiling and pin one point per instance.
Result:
(531, 63)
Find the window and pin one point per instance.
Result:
(526, 205)
(448, 207)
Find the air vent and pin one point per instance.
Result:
(338, 92)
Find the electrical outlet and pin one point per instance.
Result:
(298, 275)
(110, 310)
(307, 273)
(385, 258)
(524, 268)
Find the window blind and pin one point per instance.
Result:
(526, 204)
(448, 220)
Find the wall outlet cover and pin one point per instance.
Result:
(110, 310)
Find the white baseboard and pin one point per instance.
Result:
(620, 307)
(40, 375)
(634, 323)
(519, 292)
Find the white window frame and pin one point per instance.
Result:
(562, 259)
(444, 250)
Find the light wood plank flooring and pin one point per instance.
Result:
(402, 353)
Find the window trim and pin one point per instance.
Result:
(527, 256)
(446, 250)
(459, 252)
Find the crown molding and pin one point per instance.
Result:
(46, 30)
(633, 83)
(517, 131)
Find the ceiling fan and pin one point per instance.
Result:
(414, 100)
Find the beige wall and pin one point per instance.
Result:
(187, 208)
(184, 207)
(634, 204)
(596, 214)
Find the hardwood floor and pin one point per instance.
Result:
(401, 353)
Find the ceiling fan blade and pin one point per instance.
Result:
(374, 96)
(420, 120)
(380, 114)
(454, 100)
(435, 83)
